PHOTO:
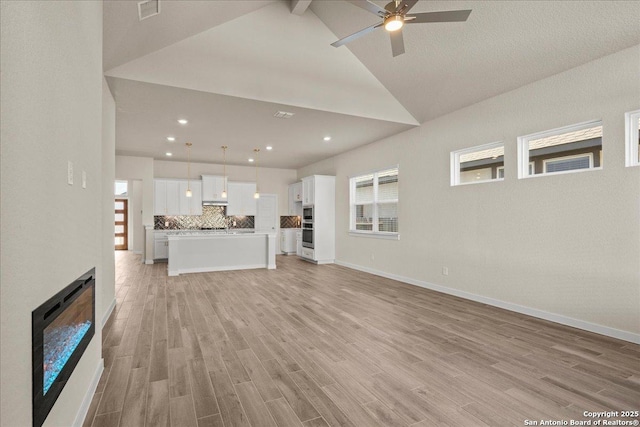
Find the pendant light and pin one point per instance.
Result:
(224, 171)
(256, 195)
(189, 194)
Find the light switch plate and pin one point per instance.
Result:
(84, 179)
(70, 173)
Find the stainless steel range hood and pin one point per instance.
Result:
(214, 203)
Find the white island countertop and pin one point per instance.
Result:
(197, 251)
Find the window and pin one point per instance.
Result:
(120, 188)
(374, 203)
(478, 164)
(567, 149)
(500, 170)
(632, 136)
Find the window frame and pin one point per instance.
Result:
(523, 149)
(455, 163)
(390, 235)
(631, 138)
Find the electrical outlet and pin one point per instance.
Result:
(69, 173)
(445, 271)
(84, 179)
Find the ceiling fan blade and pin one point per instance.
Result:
(371, 7)
(356, 35)
(448, 16)
(397, 42)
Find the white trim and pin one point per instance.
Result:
(523, 147)
(375, 235)
(574, 156)
(541, 175)
(148, 261)
(534, 312)
(107, 313)
(88, 396)
(631, 138)
(482, 181)
(455, 162)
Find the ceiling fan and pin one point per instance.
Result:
(394, 16)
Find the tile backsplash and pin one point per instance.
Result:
(212, 217)
(290, 222)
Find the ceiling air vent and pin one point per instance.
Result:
(283, 115)
(149, 8)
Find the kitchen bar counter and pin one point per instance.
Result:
(196, 251)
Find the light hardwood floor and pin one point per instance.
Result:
(308, 345)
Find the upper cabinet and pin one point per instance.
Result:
(308, 185)
(212, 188)
(191, 205)
(170, 197)
(297, 191)
(240, 201)
(295, 199)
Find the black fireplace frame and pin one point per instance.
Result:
(42, 317)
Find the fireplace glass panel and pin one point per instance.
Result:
(63, 336)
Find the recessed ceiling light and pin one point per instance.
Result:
(168, 154)
(327, 138)
(171, 138)
(250, 160)
(183, 121)
(269, 148)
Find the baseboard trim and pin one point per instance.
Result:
(541, 314)
(106, 315)
(148, 261)
(86, 401)
(212, 269)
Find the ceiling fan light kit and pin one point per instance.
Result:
(393, 23)
(394, 16)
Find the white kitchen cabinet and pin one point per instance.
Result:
(166, 199)
(240, 199)
(170, 197)
(191, 205)
(160, 245)
(295, 199)
(212, 188)
(308, 190)
(288, 240)
(322, 195)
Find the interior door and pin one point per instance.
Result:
(267, 213)
(121, 228)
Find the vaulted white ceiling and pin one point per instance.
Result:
(227, 66)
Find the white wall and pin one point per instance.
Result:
(108, 176)
(568, 244)
(274, 181)
(51, 102)
(135, 206)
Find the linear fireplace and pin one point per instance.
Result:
(62, 328)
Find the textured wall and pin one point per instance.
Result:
(566, 244)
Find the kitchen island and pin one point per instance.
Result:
(201, 251)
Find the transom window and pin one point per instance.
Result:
(374, 203)
(478, 164)
(567, 149)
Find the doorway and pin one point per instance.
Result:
(121, 224)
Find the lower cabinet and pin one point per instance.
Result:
(160, 245)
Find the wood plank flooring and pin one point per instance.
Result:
(308, 345)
